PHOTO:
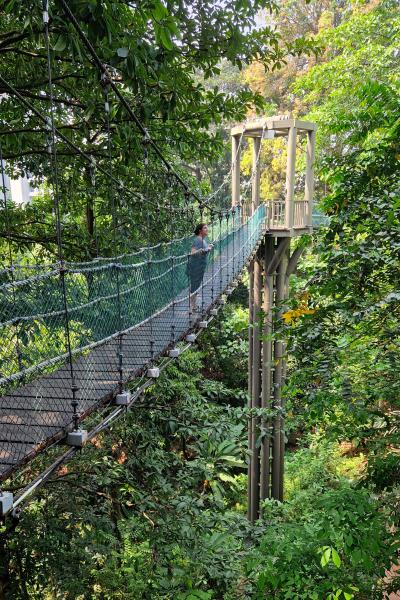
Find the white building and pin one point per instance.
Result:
(19, 190)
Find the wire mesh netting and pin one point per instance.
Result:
(122, 314)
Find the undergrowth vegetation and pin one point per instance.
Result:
(156, 508)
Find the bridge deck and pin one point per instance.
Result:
(35, 414)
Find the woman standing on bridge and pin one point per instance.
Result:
(198, 262)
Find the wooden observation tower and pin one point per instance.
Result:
(269, 273)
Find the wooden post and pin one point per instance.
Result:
(266, 369)
(256, 172)
(290, 178)
(256, 394)
(309, 183)
(236, 170)
(277, 458)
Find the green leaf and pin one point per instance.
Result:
(336, 558)
(60, 44)
(159, 11)
(326, 555)
(226, 477)
(165, 38)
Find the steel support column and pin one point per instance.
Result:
(279, 360)
(250, 380)
(267, 367)
(254, 498)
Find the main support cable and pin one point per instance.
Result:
(149, 261)
(10, 258)
(103, 69)
(137, 197)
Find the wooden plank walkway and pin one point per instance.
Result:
(38, 413)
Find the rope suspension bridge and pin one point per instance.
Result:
(77, 336)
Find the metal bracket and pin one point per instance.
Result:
(77, 438)
(191, 337)
(214, 312)
(203, 324)
(6, 503)
(123, 399)
(153, 372)
(174, 353)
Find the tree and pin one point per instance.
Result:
(154, 52)
(347, 349)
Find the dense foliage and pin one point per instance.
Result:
(155, 508)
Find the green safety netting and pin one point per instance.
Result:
(104, 297)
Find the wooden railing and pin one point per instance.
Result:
(300, 214)
(276, 214)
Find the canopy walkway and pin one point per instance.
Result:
(79, 335)
(123, 314)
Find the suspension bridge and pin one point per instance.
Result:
(77, 336)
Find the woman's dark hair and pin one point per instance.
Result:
(199, 228)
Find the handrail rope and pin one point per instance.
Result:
(32, 279)
(74, 266)
(73, 309)
(110, 265)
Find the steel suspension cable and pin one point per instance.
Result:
(149, 263)
(54, 166)
(227, 216)
(124, 102)
(116, 265)
(103, 69)
(220, 217)
(10, 257)
(92, 177)
(212, 255)
(173, 265)
(72, 145)
(201, 207)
